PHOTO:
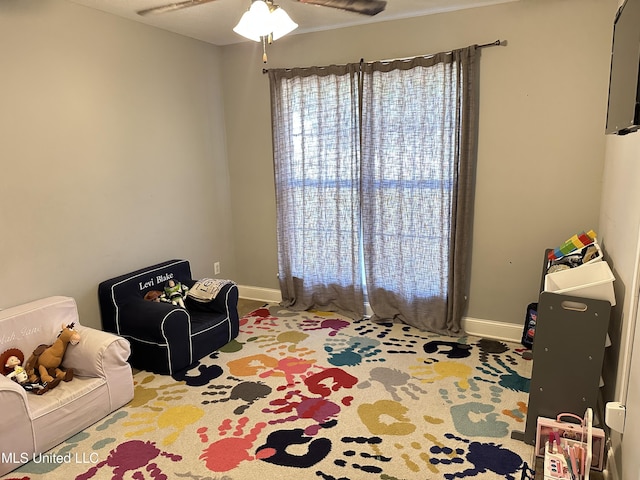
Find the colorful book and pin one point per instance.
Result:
(576, 242)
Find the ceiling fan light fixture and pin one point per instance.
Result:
(254, 23)
(246, 28)
(282, 23)
(263, 19)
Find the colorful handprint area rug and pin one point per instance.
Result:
(313, 395)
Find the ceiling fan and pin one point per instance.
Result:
(365, 7)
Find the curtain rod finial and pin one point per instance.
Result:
(497, 43)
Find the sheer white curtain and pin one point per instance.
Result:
(317, 176)
(418, 150)
(374, 169)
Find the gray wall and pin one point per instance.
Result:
(118, 152)
(113, 152)
(541, 145)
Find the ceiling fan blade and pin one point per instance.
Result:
(170, 7)
(365, 7)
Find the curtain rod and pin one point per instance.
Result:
(497, 43)
(484, 45)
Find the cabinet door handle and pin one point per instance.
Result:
(575, 306)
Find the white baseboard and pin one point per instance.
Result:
(509, 332)
(267, 295)
(472, 326)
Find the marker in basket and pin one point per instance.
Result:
(581, 454)
(554, 437)
(572, 456)
(567, 459)
(578, 457)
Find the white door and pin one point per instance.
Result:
(631, 436)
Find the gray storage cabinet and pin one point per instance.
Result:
(568, 351)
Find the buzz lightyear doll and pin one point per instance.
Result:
(174, 292)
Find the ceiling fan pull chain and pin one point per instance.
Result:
(264, 49)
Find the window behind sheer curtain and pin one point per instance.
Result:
(317, 175)
(379, 156)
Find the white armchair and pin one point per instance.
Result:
(102, 380)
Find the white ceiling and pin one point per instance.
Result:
(213, 22)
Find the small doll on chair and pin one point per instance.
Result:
(12, 368)
(174, 292)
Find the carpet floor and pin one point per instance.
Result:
(313, 395)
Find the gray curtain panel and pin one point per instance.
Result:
(375, 171)
(418, 171)
(317, 175)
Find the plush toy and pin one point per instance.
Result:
(11, 361)
(175, 292)
(153, 296)
(45, 362)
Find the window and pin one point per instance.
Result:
(368, 160)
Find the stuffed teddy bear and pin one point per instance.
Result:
(153, 296)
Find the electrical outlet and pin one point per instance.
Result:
(216, 268)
